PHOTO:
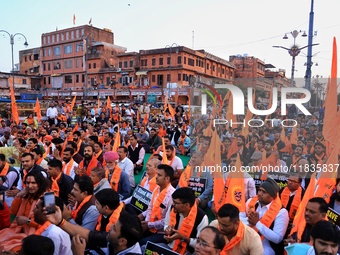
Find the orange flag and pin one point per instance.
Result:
(138, 116)
(235, 184)
(146, 119)
(299, 222)
(327, 179)
(233, 148)
(116, 143)
(270, 161)
(73, 103)
(230, 117)
(108, 105)
(37, 110)
(330, 126)
(165, 158)
(171, 110)
(15, 115)
(294, 136)
(74, 19)
(213, 158)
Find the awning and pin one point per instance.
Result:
(142, 73)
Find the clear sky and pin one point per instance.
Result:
(221, 27)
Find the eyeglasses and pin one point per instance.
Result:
(203, 243)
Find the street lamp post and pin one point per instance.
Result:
(11, 37)
(294, 51)
(170, 64)
(308, 75)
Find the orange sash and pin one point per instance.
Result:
(38, 162)
(185, 176)
(42, 228)
(270, 215)
(181, 147)
(4, 171)
(55, 186)
(75, 212)
(185, 229)
(157, 199)
(67, 168)
(113, 218)
(285, 195)
(93, 163)
(98, 154)
(117, 171)
(295, 160)
(319, 158)
(152, 182)
(235, 240)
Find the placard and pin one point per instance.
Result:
(333, 216)
(152, 247)
(141, 198)
(197, 184)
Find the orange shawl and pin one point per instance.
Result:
(4, 171)
(42, 228)
(67, 168)
(75, 212)
(55, 186)
(93, 163)
(152, 182)
(185, 228)
(157, 199)
(270, 215)
(285, 195)
(235, 240)
(113, 218)
(117, 171)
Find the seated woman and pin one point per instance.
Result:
(23, 206)
(31, 121)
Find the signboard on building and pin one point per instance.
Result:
(152, 98)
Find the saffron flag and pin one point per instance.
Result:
(73, 103)
(330, 126)
(37, 110)
(299, 222)
(146, 119)
(74, 19)
(230, 117)
(108, 105)
(214, 152)
(171, 110)
(15, 115)
(116, 143)
(235, 187)
(165, 158)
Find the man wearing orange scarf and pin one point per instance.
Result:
(148, 182)
(153, 218)
(88, 163)
(84, 212)
(61, 240)
(240, 238)
(62, 184)
(184, 222)
(291, 197)
(265, 214)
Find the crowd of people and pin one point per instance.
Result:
(91, 162)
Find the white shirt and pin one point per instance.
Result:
(72, 172)
(61, 240)
(274, 235)
(52, 112)
(203, 223)
(127, 166)
(167, 202)
(177, 163)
